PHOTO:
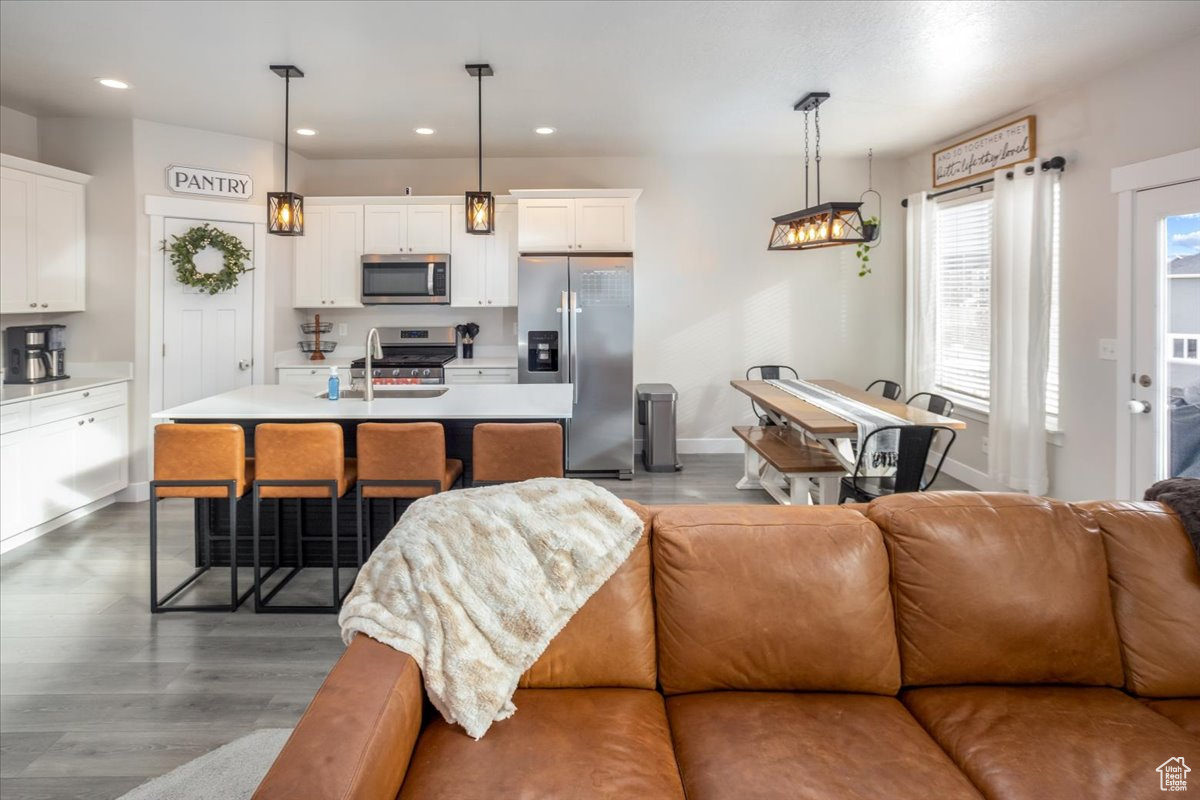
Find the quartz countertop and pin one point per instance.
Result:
(16, 392)
(484, 362)
(289, 402)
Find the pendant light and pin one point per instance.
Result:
(824, 224)
(285, 210)
(481, 205)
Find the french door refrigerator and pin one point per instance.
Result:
(575, 325)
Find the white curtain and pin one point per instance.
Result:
(1021, 253)
(920, 299)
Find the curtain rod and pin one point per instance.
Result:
(1058, 162)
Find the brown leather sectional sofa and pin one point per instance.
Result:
(941, 646)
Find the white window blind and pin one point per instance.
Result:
(962, 262)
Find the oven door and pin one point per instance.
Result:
(403, 279)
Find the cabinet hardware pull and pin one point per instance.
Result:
(80, 422)
(91, 419)
(489, 302)
(87, 394)
(45, 305)
(33, 305)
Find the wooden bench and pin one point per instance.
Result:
(781, 462)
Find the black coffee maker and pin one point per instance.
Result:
(35, 353)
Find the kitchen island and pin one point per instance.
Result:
(458, 408)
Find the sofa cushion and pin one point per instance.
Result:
(610, 640)
(1185, 713)
(733, 745)
(577, 743)
(1155, 584)
(998, 588)
(1052, 741)
(772, 598)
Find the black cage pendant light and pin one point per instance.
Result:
(825, 224)
(481, 206)
(285, 210)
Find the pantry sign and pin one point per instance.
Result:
(210, 182)
(1000, 147)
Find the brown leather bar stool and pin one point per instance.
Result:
(401, 460)
(298, 461)
(200, 462)
(506, 452)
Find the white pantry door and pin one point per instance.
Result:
(208, 340)
(1164, 396)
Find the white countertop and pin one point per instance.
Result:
(484, 362)
(482, 401)
(16, 392)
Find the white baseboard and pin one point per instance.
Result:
(25, 537)
(134, 493)
(973, 477)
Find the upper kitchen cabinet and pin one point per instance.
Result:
(43, 245)
(483, 269)
(392, 229)
(328, 257)
(595, 221)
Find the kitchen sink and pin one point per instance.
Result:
(389, 393)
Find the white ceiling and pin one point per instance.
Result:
(615, 78)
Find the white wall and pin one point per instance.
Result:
(18, 134)
(710, 300)
(1137, 111)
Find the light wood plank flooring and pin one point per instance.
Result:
(97, 695)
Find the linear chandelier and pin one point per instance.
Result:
(824, 224)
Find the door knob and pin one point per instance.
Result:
(243, 365)
(1139, 407)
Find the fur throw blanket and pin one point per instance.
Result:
(474, 583)
(1183, 496)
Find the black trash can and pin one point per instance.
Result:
(656, 414)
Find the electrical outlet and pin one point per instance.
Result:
(1108, 349)
(343, 329)
(985, 443)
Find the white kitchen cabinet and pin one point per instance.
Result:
(584, 224)
(60, 453)
(43, 255)
(393, 229)
(315, 378)
(483, 269)
(474, 375)
(328, 256)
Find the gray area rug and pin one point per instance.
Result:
(231, 772)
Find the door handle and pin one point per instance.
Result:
(428, 278)
(1138, 407)
(574, 345)
(243, 365)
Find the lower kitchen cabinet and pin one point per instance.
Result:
(76, 454)
(464, 375)
(315, 378)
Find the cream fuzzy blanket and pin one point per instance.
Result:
(474, 584)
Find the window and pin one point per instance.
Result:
(962, 263)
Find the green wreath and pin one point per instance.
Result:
(183, 250)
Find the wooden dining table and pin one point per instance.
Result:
(834, 433)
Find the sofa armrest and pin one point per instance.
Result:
(355, 740)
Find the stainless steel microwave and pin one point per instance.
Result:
(406, 278)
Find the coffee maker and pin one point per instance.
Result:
(35, 353)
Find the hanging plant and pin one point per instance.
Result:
(863, 252)
(183, 250)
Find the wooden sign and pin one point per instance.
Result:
(1000, 147)
(211, 182)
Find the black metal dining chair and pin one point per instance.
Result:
(889, 389)
(912, 472)
(767, 372)
(935, 403)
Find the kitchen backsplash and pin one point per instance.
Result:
(497, 326)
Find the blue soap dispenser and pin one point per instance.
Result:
(335, 384)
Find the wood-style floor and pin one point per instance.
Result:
(97, 695)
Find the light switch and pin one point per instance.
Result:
(1108, 349)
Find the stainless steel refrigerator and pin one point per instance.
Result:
(575, 323)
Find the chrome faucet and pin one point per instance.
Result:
(368, 372)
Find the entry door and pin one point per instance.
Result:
(1164, 396)
(208, 340)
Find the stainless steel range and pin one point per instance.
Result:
(410, 356)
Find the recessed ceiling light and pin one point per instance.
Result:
(112, 83)
(425, 131)
(306, 131)
(544, 130)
